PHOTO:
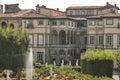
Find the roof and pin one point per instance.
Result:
(92, 7)
(83, 7)
(110, 15)
(26, 13)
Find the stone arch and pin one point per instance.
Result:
(12, 25)
(4, 24)
(62, 37)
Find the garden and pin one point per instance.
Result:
(94, 64)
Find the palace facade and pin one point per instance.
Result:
(56, 35)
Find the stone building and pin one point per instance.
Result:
(56, 35)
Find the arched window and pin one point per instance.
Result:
(62, 37)
(3, 24)
(11, 25)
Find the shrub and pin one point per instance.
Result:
(97, 62)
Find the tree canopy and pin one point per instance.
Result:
(13, 46)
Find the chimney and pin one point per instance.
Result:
(107, 3)
(115, 5)
(43, 6)
(57, 9)
(37, 5)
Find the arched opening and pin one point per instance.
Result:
(54, 37)
(4, 24)
(62, 37)
(68, 37)
(12, 26)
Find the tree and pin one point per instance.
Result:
(13, 46)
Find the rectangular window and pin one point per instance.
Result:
(118, 23)
(40, 40)
(54, 23)
(91, 22)
(31, 41)
(79, 13)
(91, 39)
(90, 12)
(68, 23)
(30, 24)
(71, 12)
(62, 22)
(100, 40)
(82, 12)
(118, 40)
(109, 39)
(40, 56)
(109, 21)
(100, 23)
(40, 22)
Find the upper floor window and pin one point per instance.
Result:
(62, 22)
(54, 23)
(40, 39)
(90, 12)
(30, 24)
(109, 21)
(82, 12)
(40, 22)
(92, 22)
(79, 13)
(31, 40)
(100, 23)
(71, 12)
(119, 23)
(68, 23)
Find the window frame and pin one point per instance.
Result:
(100, 22)
(40, 22)
(31, 42)
(100, 37)
(109, 39)
(91, 22)
(92, 39)
(39, 43)
(108, 23)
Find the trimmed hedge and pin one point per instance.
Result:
(97, 62)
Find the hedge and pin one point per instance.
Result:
(97, 62)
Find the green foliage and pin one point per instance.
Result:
(97, 54)
(13, 46)
(97, 62)
(117, 56)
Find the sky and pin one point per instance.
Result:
(61, 4)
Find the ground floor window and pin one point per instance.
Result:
(109, 41)
(40, 56)
(92, 40)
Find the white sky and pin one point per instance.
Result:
(61, 4)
